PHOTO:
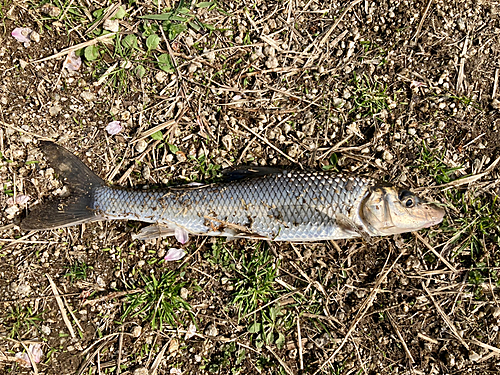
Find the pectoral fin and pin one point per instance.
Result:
(345, 223)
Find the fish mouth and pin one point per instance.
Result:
(435, 215)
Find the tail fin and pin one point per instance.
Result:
(81, 183)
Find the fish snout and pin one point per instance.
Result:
(435, 215)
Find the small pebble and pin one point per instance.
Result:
(141, 146)
(136, 331)
(211, 330)
(141, 371)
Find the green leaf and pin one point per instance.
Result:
(120, 13)
(208, 26)
(205, 4)
(280, 341)
(173, 148)
(178, 18)
(175, 29)
(194, 26)
(159, 17)
(270, 337)
(98, 13)
(164, 63)
(254, 328)
(158, 136)
(140, 71)
(273, 313)
(91, 53)
(152, 42)
(130, 41)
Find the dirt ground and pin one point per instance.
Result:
(403, 91)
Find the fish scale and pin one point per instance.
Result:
(286, 206)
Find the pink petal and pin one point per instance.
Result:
(114, 127)
(72, 62)
(22, 199)
(415, 84)
(36, 351)
(174, 254)
(22, 34)
(24, 359)
(181, 235)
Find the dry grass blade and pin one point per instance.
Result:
(401, 339)
(76, 47)
(421, 23)
(155, 129)
(441, 258)
(60, 303)
(299, 338)
(158, 359)
(494, 349)
(288, 370)
(445, 317)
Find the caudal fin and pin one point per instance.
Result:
(81, 183)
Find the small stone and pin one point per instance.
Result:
(461, 24)
(54, 110)
(496, 312)
(141, 263)
(45, 330)
(146, 172)
(11, 212)
(111, 25)
(181, 157)
(100, 281)
(272, 62)
(136, 331)
(35, 37)
(211, 330)
(88, 96)
(184, 293)
(387, 156)
(192, 68)
(161, 77)
(141, 371)
(474, 357)
(293, 150)
(189, 41)
(23, 64)
(50, 10)
(495, 103)
(174, 346)
(210, 56)
(141, 146)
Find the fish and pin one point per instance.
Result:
(266, 203)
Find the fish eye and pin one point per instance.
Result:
(403, 194)
(409, 203)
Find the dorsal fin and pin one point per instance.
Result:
(249, 172)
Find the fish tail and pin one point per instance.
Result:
(74, 209)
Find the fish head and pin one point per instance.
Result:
(389, 210)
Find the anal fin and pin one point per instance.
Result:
(152, 232)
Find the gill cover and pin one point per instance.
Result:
(389, 210)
